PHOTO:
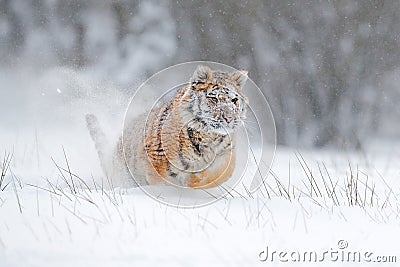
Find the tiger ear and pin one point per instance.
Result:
(240, 77)
(202, 73)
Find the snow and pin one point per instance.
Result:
(331, 74)
(125, 227)
(107, 225)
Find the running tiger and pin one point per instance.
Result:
(188, 141)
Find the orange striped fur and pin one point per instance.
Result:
(189, 141)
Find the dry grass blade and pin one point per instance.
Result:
(248, 191)
(281, 188)
(4, 168)
(334, 196)
(313, 184)
(16, 194)
(44, 189)
(63, 177)
(232, 189)
(69, 171)
(329, 192)
(80, 180)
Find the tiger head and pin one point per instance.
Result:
(214, 101)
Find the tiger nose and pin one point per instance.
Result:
(228, 118)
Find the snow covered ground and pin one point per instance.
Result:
(326, 203)
(43, 223)
(331, 66)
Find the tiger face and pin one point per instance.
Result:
(215, 101)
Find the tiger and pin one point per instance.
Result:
(188, 141)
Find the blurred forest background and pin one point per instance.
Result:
(330, 69)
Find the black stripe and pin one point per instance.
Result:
(199, 119)
(198, 105)
(221, 139)
(171, 173)
(227, 145)
(161, 124)
(181, 158)
(194, 142)
(190, 109)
